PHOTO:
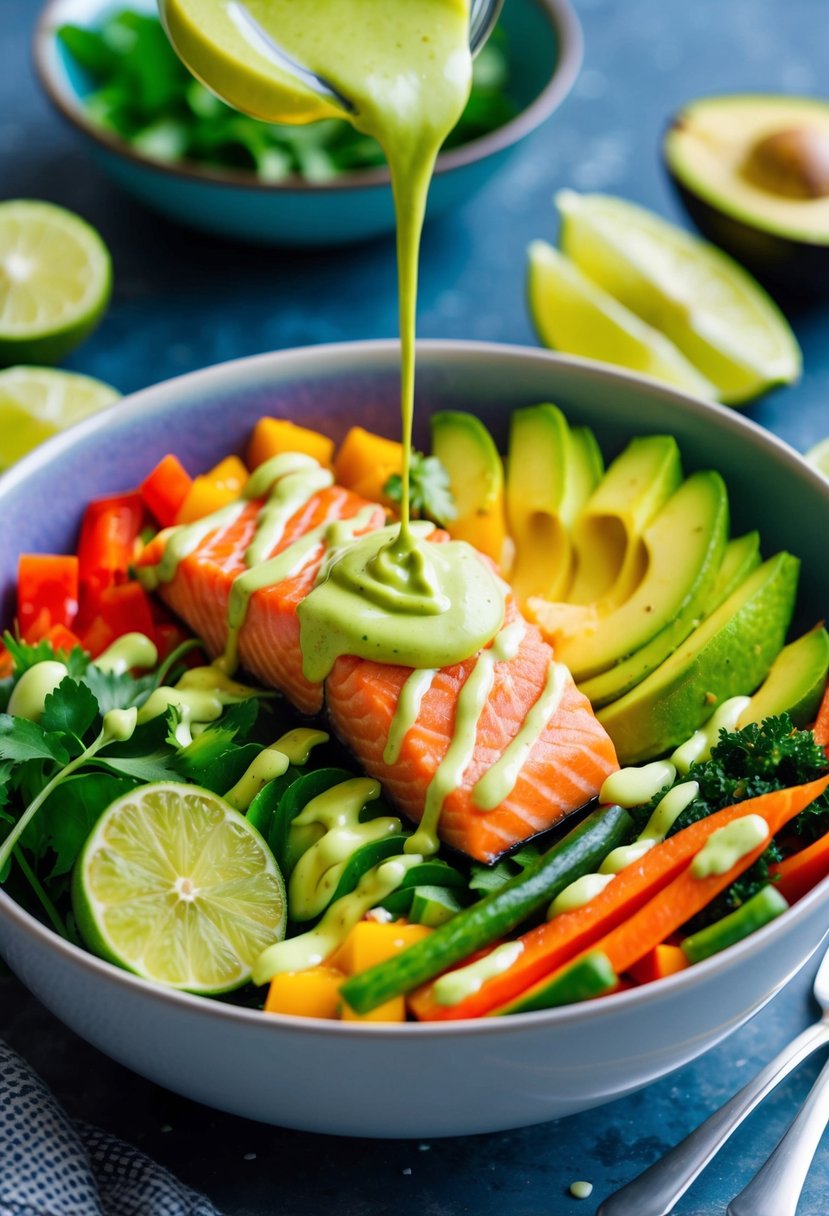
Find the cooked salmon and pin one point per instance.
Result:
(563, 770)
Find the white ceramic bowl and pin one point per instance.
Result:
(408, 1080)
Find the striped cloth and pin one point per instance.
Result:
(50, 1166)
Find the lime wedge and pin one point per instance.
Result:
(708, 305)
(55, 280)
(819, 456)
(37, 402)
(178, 887)
(572, 314)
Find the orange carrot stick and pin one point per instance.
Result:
(803, 870)
(821, 727)
(548, 946)
(687, 894)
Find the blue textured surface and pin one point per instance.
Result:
(184, 301)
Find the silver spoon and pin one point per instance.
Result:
(483, 15)
(659, 1187)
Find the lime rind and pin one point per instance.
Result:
(176, 886)
(36, 403)
(573, 314)
(55, 281)
(708, 305)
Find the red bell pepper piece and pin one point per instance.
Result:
(121, 609)
(47, 593)
(106, 548)
(165, 490)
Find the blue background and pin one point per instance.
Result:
(183, 301)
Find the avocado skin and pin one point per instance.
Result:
(800, 267)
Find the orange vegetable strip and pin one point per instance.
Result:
(803, 870)
(661, 961)
(630, 941)
(166, 489)
(548, 946)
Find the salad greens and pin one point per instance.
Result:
(430, 495)
(145, 95)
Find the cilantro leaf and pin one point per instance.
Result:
(430, 495)
(25, 656)
(21, 740)
(70, 709)
(69, 815)
(216, 739)
(113, 691)
(158, 765)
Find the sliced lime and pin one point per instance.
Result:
(55, 281)
(819, 456)
(37, 402)
(708, 305)
(572, 314)
(178, 887)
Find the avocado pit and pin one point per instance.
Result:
(791, 163)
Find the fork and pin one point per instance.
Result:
(655, 1191)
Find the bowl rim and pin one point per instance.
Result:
(385, 352)
(570, 43)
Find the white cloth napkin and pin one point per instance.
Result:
(50, 1166)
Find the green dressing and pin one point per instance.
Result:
(297, 744)
(626, 855)
(636, 785)
(725, 847)
(698, 747)
(455, 986)
(336, 815)
(269, 764)
(407, 710)
(128, 651)
(471, 701)
(578, 893)
(184, 540)
(286, 493)
(668, 810)
(445, 606)
(313, 947)
(499, 782)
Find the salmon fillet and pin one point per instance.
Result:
(564, 769)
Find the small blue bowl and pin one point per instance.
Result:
(544, 36)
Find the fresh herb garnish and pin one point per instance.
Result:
(430, 495)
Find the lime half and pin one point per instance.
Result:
(819, 456)
(572, 314)
(37, 402)
(708, 305)
(177, 886)
(55, 281)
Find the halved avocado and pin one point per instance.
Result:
(753, 173)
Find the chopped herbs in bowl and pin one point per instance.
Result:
(110, 70)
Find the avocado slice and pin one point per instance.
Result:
(684, 545)
(607, 535)
(728, 654)
(742, 555)
(753, 173)
(545, 487)
(795, 682)
(467, 451)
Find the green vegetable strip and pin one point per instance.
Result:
(580, 852)
(755, 912)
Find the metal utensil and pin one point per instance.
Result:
(655, 1191)
(483, 15)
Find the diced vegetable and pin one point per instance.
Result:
(47, 593)
(754, 913)
(314, 993)
(365, 462)
(211, 491)
(368, 944)
(664, 959)
(272, 436)
(118, 610)
(579, 852)
(106, 549)
(590, 976)
(165, 490)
